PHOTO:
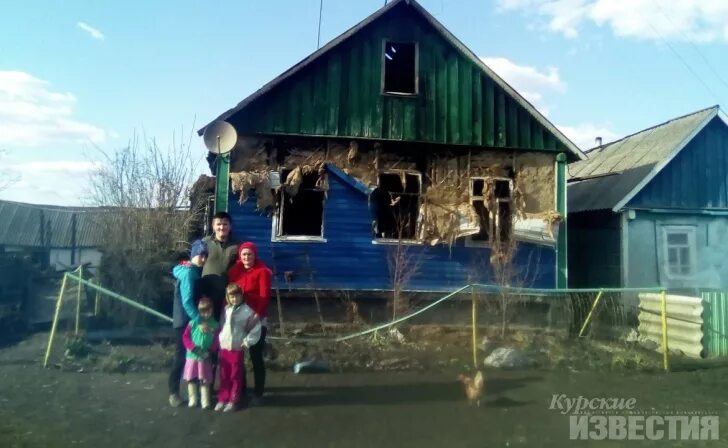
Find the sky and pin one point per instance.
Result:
(81, 77)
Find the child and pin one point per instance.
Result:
(240, 330)
(200, 339)
(187, 274)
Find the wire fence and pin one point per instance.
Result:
(635, 326)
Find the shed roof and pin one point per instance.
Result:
(613, 173)
(20, 225)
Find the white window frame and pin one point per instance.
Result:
(410, 241)
(276, 228)
(495, 219)
(690, 232)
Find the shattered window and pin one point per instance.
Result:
(398, 204)
(487, 193)
(679, 245)
(477, 198)
(400, 68)
(301, 212)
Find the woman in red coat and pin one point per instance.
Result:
(254, 279)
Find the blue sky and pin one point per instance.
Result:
(79, 74)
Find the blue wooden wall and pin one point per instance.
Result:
(349, 259)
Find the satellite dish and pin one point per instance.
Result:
(220, 137)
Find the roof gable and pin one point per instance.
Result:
(335, 92)
(618, 171)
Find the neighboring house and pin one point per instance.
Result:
(393, 154)
(52, 236)
(652, 208)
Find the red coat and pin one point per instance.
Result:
(255, 282)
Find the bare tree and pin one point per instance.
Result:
(145, 189)
(404, 260)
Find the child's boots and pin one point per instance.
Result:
(205, 396)
(192, 394)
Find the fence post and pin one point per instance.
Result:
(55, 320)
(475, 327)
(665, 355)
(78, 298)
(97, 301)
(588, 316)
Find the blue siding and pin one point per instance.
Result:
(697, 178)
(349, 259)
(647, 265)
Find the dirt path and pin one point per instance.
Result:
(50, 408)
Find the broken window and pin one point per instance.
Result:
(499, 221)
(477, 198)
(301, 214)
(400, 67)
(398, 204)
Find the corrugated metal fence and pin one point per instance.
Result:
(715, 320)
(697, 326)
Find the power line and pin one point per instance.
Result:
(318, 39)
(697, 50)
(712, 93)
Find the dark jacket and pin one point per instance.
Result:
(219, 259)
(186, 292)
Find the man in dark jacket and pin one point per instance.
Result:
(223, 251)
(186, 292)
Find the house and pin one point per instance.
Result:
(393, 157)
(52, 236)
(651, 209)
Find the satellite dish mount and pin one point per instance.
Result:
(220, 138)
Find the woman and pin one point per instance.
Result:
(254, 279)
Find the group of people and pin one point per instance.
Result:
(220, 312)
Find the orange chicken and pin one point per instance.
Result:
(474, 387)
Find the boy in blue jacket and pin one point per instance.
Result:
(187, 275)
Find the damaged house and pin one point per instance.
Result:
(651, 209)
(394, 155)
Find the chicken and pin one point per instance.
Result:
(474, 387)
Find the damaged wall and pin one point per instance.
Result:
(446, 212)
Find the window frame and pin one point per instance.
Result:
(384, 67)
(277, 221)
(494, 219)
(410, 241)
(691, 246)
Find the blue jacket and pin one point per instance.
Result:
(186, 289)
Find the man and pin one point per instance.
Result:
(223, 251)
(186, 291)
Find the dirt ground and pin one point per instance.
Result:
(408, 403)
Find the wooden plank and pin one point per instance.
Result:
(477, 108)
(524, 127)
(334, 88)
(307, 126)
(512, 124)
(355, 93)
(489, 120)
(370, 96)
(465, 102)
(409, 108)
(453, 122)
(396, 119)
(500, 136)
(536, 135)
(441, 108)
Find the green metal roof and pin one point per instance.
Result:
(336, 91)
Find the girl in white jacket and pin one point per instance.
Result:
(240, 328)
